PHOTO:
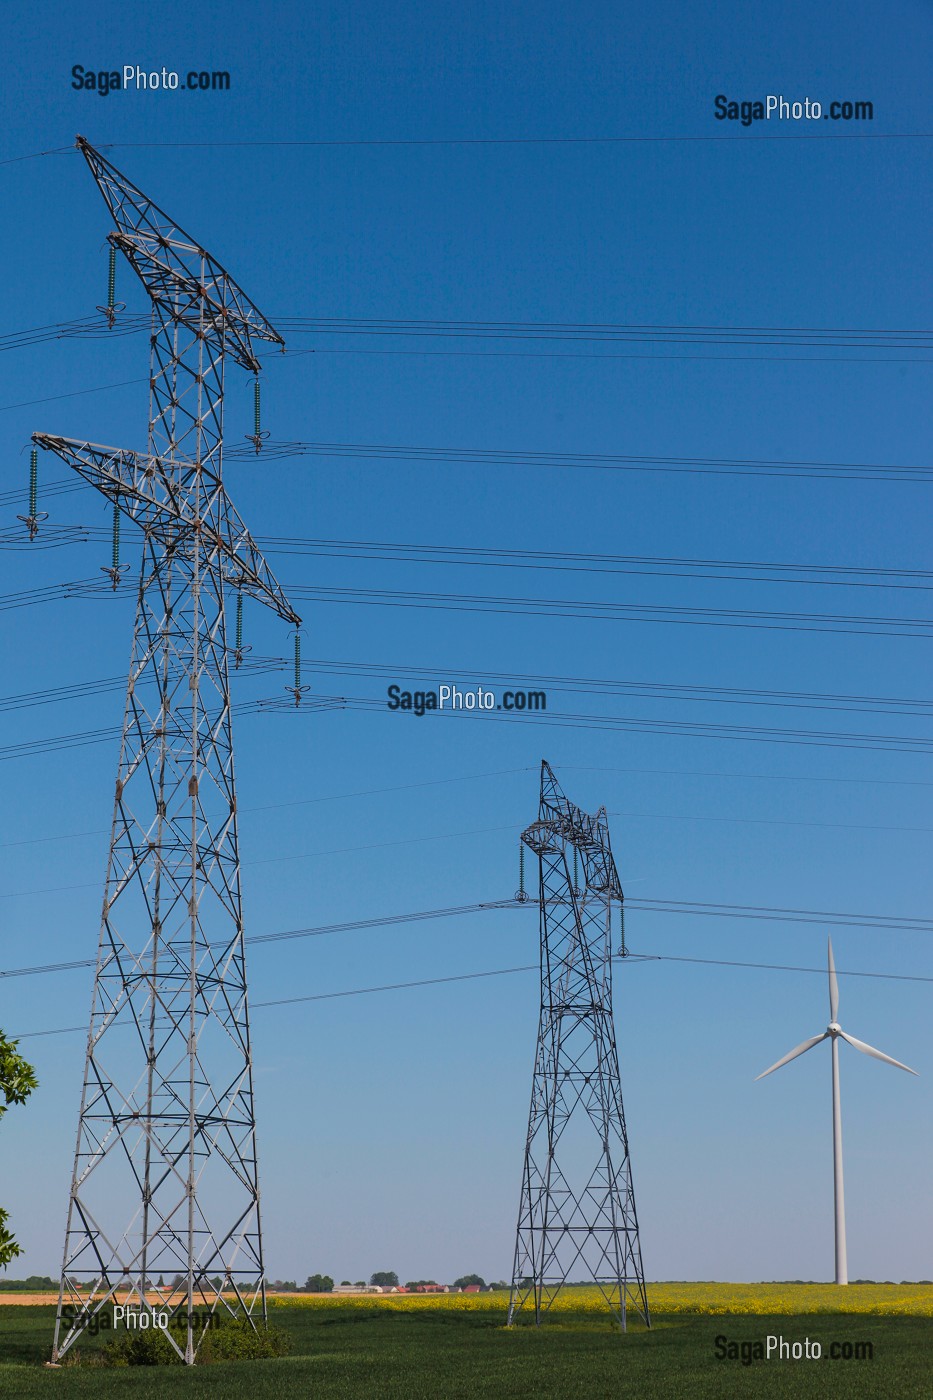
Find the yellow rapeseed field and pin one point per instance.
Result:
(696, 1299)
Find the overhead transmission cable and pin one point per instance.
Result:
(631, 957)
(820, 918)
(471, 556)
(595, 461)
(845, 624)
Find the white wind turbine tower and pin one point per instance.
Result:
(834, 1032)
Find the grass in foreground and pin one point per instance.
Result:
(367, 1350)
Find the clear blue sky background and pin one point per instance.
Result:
(392, 1125)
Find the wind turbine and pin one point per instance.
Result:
(834, 1032)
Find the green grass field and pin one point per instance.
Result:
(443, 1353)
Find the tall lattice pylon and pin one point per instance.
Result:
(577, 1214)
(165, 1184)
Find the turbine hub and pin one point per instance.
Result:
(834, 1028)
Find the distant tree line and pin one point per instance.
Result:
(35, 1283)
(381, 1278)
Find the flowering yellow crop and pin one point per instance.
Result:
(697, 1299)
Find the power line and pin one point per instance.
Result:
(746, 733)
(82, 738)
(37, 155)
(893, 922)
(347, 926)
(49, 488)
(627, 355)
(503, 772)
(823, 575)
(734, 695)
(483, 831)
(820, 918)
(820, 337)
(299, 802)
(593, 461)
(860, 742)
(655, 690)
(757, 619)
(748, 777)
(512, 141)
(777, 339)
(508, 604)
(469, 556)
(78, 690)
(74, 394)
(774, 967)
(766, 821)
(300, 855)
(526, 967)
(664, 333)
(574, 461)
(79, 328)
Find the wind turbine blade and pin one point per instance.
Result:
(870, 1050)
(833, 986)
(800, 1050)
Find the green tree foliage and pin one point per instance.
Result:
(384, 1280)
(17, 1081)
(319, 1283)
(469, 1279)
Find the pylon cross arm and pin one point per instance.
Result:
(588, 833)
(147, 489)
(201, 296)
(168, 261)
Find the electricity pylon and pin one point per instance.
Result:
(577, 1212)
(165, 1182)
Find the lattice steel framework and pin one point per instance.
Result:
(577, 1213)
(164, 1205)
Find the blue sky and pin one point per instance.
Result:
(392, 1125)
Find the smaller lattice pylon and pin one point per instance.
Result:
(577, 1208)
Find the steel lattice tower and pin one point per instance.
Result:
(577, 1213)
(165, 1176)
